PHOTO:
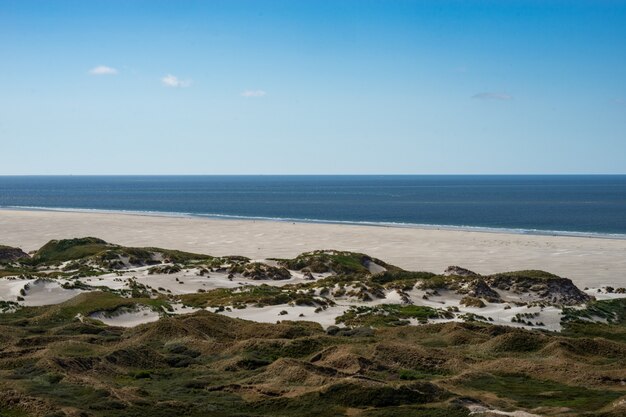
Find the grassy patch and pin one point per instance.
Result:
(333, 261)
(387, 315)
(418, 411)
(613, 311)
(607, 331)
(69, 249)
(261, 295)
(439, 282)
(12, 412)
(531, 393)
(578, 323)
(530, 273)
(401, 277)
(415, 375)
(106, 253)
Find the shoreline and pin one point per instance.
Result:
(477, 229)
(588, 261)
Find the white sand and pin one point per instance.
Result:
(127, 318)
(43, 292)
(590, 262)
(479, 410)
(10, 288)
(38, 292)
(271, 314)
(185, 282)
(601, 294)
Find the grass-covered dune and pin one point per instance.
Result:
(91, 247)
(9, 254)
(56, 361)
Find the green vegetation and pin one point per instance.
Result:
(12, 412)
(70, 249)
(577, 322)
(530, 393)
(439, 282)
(10, 254)
(333, 261)
(388, 315)
(6, 306)
(259, 296)
(260, 271)
(107, 254)
(201, 364)
(472, 302)
(164, 269)
(397, 276)
(613, 311)
(419, 411)
(176, 256)
(531, 273)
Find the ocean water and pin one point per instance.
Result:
(526, 204)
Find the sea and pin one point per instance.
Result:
(592, 205)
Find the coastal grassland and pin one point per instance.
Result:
(334, 261)
(70, 249)
(531, 393)
(12, 412)
(583, 322)
(399, 276)
(531, 273)
(613, 311)
(388, 315)
(52, 363)
(99, 251)
(257, 295)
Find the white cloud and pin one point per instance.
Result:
(172, 81)
(492, 96)
(253, 93)
(102, 70)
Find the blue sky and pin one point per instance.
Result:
(319, 87)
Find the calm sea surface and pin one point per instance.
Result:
(536, 204)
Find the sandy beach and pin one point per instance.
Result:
(587, 261)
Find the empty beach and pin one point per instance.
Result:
(588, 261)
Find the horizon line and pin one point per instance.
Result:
(318, 175)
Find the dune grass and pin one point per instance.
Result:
(531, 393)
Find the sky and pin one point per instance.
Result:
(312, 87)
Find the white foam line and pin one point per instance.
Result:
(463, 228)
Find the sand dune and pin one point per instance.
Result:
(127, 318)
(35, 292)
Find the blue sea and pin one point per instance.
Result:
(593, 204)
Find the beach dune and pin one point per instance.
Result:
(588, 261)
